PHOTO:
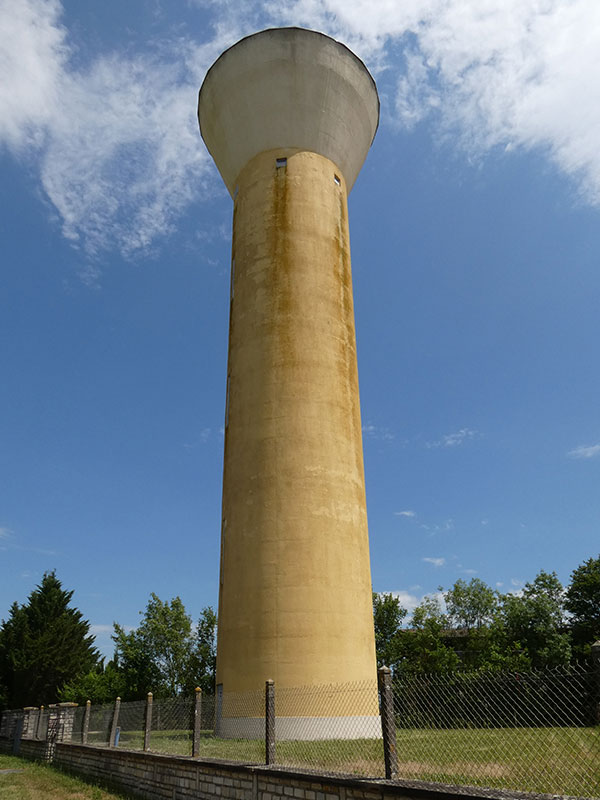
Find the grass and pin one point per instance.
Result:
(551, 760)
(41, 782)
(561, 761)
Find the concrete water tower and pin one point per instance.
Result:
(289, 115)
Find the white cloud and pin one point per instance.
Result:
(517, 585)
(448, 525)
(436, 562)
(99, 629)
(409, 600)
(138, 157)
(497, 73)
(33, 54)
(585, 451)
(405, 513)
(377, 432)
(454, 439)
(5, 533)
(117, 144)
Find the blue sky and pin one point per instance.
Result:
(475, 230)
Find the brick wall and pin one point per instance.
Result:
(152, 776)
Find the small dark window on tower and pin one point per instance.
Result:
(235, 191)
(337, 180)
(281, 162)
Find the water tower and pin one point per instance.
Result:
(289, 115)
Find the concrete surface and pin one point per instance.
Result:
(288, 87)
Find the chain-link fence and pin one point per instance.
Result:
(530, 731)
(334, 728)
(100, 722)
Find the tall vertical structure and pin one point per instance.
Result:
(289, 115)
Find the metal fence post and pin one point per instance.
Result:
(86, 722)
(148, 721)
(270, 722)
(115, 723)
(197, 722)
(388, 723)
(596, 663)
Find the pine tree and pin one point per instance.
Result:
(43, 645)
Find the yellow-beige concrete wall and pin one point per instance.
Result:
(295, 590)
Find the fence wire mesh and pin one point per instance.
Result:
(529, 731)
(77, 729)
(173, 726)
(131, 725)
(333, 728)
(101, 718)
(239, 730)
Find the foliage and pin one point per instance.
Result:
(165, 655)
(43, 645)
(582, 601)
(424, 649)
(156, 655)
(533, 623)
(100, 685)
(471, 605)
(205, 651)
(387, 618)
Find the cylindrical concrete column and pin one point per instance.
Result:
(289, 116)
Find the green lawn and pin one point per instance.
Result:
(39, 782)
(551, 760)
(562, 761)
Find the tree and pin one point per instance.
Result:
(204, 660)
(165, 655)
(157, 655)
(533, 623)
(387, 618)
(424, 649)
(43, 645)
(100, 685)
(472, 613)
(582, 601)
(471, 605)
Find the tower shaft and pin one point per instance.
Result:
(295, 589)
